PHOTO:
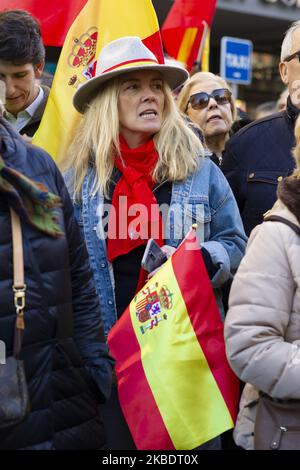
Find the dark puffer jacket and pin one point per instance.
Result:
(33, 125)
(66, 361)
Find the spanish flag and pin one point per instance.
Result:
(186, 28)
(98, 23)
(55, 16)
(175, 386)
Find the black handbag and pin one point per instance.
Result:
(277, 423)
(14, 398)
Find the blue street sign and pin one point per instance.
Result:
(236, 60)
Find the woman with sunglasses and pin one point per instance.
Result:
(134, 149)
(207, 100)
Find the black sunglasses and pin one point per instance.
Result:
(200, 100)
(292, 56)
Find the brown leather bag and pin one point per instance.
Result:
(14, 399)
(277, 424)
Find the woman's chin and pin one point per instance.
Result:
(217, 134)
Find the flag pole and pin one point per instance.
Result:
(197, 64)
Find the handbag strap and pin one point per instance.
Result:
(19, 287)
(278, 218)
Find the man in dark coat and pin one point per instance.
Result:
(67, 366)
(22, 60)
(258, 156)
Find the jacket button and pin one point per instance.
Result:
(110, 302)
(251, 175)
(280, 178)
(103, 265)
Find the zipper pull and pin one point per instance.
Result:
(275, 444)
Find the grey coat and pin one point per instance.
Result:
(262, 328)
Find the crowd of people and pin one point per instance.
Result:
(135, 141)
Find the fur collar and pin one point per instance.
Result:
(289, 193)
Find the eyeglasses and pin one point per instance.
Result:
(292, 56)
(200, 100)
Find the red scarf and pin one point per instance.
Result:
(134, 187)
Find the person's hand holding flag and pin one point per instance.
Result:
(175, 386)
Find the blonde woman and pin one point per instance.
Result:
(136, 171)
(262, 327)
(207, 100)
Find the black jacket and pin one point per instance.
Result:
(33, 125)
(66, 361)
(255, 159)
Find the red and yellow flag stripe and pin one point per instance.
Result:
(185, 29)
(55, 16)
(176, 388)
(104, 20)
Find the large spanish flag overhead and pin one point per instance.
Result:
(176, 388)
(186, 28)
(55, 16)
(98, 23)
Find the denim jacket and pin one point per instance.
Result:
(204, 198)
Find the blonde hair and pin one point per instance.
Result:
(199, 78)
(97, 141)
(296, 150)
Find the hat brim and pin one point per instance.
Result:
(174, 76)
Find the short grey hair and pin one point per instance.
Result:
(286, 48)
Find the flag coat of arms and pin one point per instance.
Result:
(97, 24)
(175, 386)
